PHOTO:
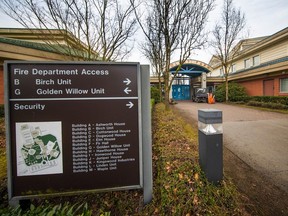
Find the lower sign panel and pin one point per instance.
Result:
(65, 146)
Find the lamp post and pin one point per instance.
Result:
(210, 138)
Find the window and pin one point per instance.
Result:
(221, 72)
(247, 63)
(256, 60)
(284, 85)
(233, 68)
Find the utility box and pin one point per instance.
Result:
(210, 139)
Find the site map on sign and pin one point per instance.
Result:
(38, 150)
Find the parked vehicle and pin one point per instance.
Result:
(200, 95)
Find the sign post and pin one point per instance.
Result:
(74, 127)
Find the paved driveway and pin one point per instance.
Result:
(259, 138)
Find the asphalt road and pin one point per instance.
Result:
(259, 138)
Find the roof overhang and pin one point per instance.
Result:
(280, 67)
(191, 68)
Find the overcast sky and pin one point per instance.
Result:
(264, 17)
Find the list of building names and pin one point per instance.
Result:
(99, 147)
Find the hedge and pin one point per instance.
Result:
(2, 113)
(262, 99)
(155, 94)
(268, 105)
(237, 94)
(271, 99)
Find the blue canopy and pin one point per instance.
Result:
(192, 70)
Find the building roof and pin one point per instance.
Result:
(32, 45)
(267, 41)
(48, 40)
(250, 45)
(190, 67)
(38, 35)
(246, 43)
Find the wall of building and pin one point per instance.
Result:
(253, 87)
(256, 87)
(276, 51)
(277, 85)
(273, 52)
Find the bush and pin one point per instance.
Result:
(155, 94)
(65, 209)
(272, 102)
(235, 91)
(2, 113)
(267, 105)
(241, 99)
(152, 103)
(270, 99)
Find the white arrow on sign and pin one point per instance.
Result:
(127, 90)
(127, 81)
(130, 105)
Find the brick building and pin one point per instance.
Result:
(261, 66)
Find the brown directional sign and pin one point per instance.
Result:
(73, 127)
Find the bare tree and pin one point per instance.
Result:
(153, 43)
(180, 26)
(226, 33)
(103, 28)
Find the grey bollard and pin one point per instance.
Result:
(210, 139)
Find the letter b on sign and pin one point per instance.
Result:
(16, 82)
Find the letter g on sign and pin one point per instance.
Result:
(17, 91)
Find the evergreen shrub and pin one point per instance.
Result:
(235, 91)
(267, 105)
(2, 113)
(270, 99)
(155, 94)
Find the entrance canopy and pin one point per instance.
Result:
(191, 68)
(182, 83)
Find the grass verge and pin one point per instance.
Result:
(180, 187)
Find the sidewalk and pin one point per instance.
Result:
(258, 137)
(256, 149)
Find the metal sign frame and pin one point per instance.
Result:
(144, 121)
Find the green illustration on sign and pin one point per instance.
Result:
(39, 148)
(44, 149)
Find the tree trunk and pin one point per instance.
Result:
(226, 89)
(226, 82)
(166, 94)
(160, 90)
(167, 74)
